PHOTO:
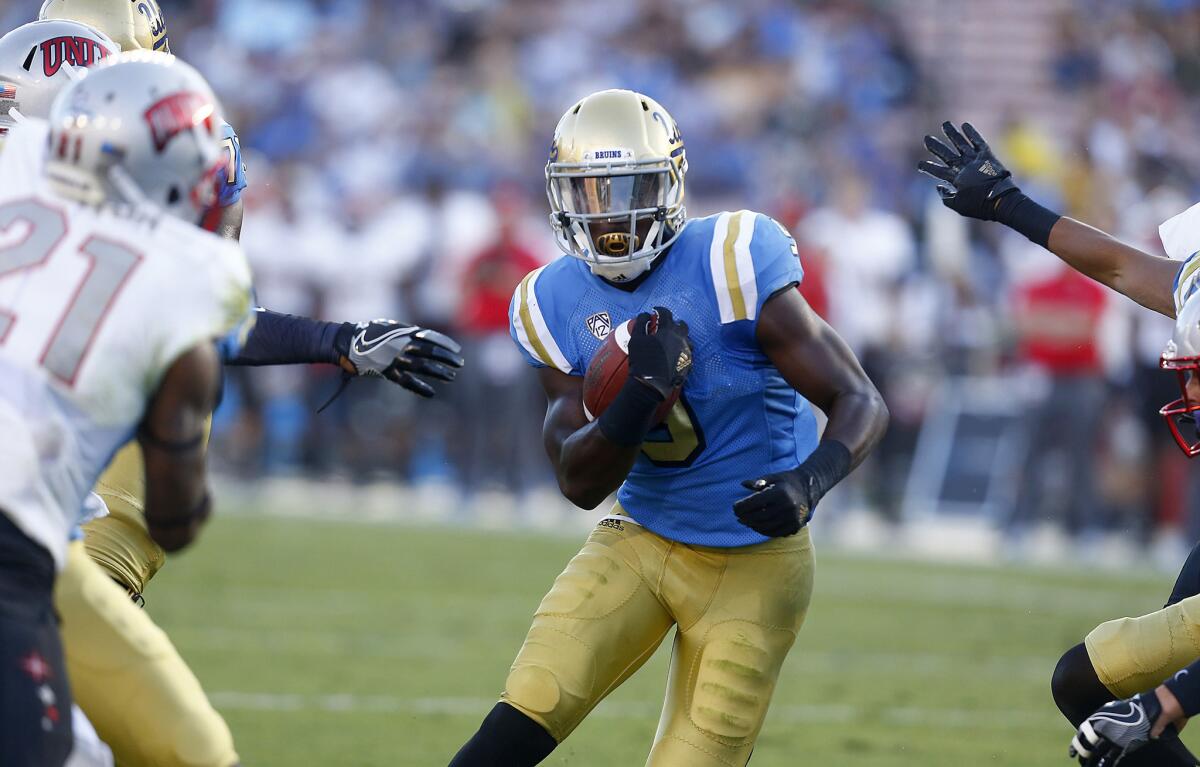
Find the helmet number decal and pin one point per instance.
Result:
(110, 265)
(231, 164)
(158, 27)
(673, 136)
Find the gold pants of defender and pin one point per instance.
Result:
(120, 542)
(737, 611)
(1133, 655)
(128, 678)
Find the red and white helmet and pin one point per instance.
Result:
(1182, 356)
(41, 58)
(141, 127)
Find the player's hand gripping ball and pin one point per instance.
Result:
(654, 346)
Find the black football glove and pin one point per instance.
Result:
(974, 179)
(659, 354)
(781, 504)
(406, 355)
(1116, 729)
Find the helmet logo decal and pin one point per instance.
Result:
(74, 50)
(176, 114)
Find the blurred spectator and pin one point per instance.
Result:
(1057, 320)
(499, 397)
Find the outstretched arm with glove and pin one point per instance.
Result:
(407, 355)
(974, 183)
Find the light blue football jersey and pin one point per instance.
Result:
(738, 418)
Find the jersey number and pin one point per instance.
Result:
(231, 166)
(684, 438)
(109, 268)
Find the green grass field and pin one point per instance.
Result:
(338, 643)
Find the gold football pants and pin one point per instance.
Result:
(737, 613)
(143, 700)
(1134, 655)
(119, 542)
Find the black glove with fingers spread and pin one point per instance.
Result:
(660, 359)
(977, 185)
(406, 355)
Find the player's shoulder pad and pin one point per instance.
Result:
(532, 304)
(1181, 240)
(751, 256)
(225, 277)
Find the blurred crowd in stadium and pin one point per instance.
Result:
(395, 152)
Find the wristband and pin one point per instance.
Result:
(631, 415)
(825, 467)
(1185, 686)
(1018, 212)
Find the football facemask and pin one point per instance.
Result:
(1182, 357)
(614, 216)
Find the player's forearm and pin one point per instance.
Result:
(285, 339)
(590, 467)
(177, 499)
(1144, 278)
(858, 419)
(173, 436)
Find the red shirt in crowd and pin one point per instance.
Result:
(488, 286)
(1057, 319)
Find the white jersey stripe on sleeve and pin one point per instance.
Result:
(716, 260)
(745, 263)
(532, 330)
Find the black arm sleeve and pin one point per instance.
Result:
(1185, 685)
(285, 339)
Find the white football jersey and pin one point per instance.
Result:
(95, 306)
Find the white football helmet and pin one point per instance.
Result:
(140, 127)
(134, 24)
(615, 183)
(1182, 356)
(41, 58)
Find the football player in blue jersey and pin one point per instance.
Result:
(709, 533)
(1126, 657)
(127, 677)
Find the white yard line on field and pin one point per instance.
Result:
(804, 661)
(908, 716)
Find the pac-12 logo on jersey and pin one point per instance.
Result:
(70, 49)
(175, 114)
(600, 325)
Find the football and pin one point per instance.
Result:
(607, 371)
